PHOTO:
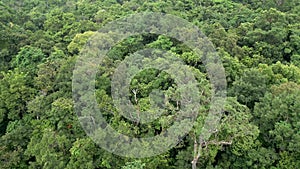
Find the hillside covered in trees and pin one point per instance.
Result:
(258, 42)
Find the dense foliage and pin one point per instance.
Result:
(258, 42)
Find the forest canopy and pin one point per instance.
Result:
(257, 41)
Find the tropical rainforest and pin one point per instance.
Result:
(258, 42)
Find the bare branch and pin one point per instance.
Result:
(220, 142)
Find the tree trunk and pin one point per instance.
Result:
(194, 163)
